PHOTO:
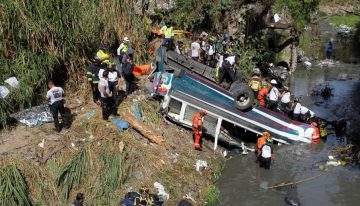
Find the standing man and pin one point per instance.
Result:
(197, 126)
(329, 50)
(168, 33)
(261, 141)
(263, 95)
(129, 77)
(106, 96)
(229, 69)
(79, 201)
(195, 50)
(55, 96)
(124, 46)
(266, 154)
(113, 86)
(285, 100)
(273, 95)
(93, 79)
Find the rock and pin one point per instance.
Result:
(292, 201)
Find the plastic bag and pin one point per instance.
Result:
(12, 81)
(4, 91)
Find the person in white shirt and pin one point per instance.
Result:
(114, 85)
(274, 95)
(228, 69)
(106, 96)
(55, 96)
(305, 114)
(195, 50)
(297, 109)
(285, 100)
(266, 154)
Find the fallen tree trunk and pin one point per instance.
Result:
(145, 130)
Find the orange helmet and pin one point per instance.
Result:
(266, 134)
(203, 112)
(314, 124)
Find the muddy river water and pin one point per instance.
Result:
(244, 183)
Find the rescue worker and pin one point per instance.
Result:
(79, 201)
(106, 96)
(305, 114)
(322, 129)
(296, 110)
(266, 154)
(129, 54)
(255, 81)
(263, 95)
(129, 77)
(220, 60)
(274, 95)
(93, 79)
(316, 135)
(102, 56)
(168, 33)
(55, 96)
(197, 126)
(180, 47)
(113, 86)
(228, 69)
(124, 46)
(261, 141)
(144, 199)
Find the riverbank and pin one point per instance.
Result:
(139, 161)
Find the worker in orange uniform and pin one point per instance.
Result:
(262, 95)
(261, 142)
(197, 127)
(316, 135)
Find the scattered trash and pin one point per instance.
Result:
(244, 150)
(121, 147)
(72, 144)
(292, 201)
(225, 153)
(42, 143)
(120, 124)
(34, 116)
(163, 196)
(277, 18)
(331, 157)
(201, 165)
(307, 64)
(12, 81)
(90, 114)
(137, 110)
(4, 91)
(344, 31)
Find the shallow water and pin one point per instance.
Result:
(244, 183)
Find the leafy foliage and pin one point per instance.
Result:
(13, 188)
(40, 39)
(299, 10)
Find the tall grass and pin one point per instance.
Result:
(40, 38)
(13, 188)
(349, 20)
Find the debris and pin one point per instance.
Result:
(12, 81)
(50, 154)
(137, 110)
(121, 147)
(42, 143)
(90, 114)
(344, 31)
(283, 184)
(163, 196)
(292, 201)
(120, 124)
(331, 157)
(4, 91)
(145, 130)
(225, 153)
(307, 64)
(324, 90)
(34, 116)
(277, 18)
(201, 165)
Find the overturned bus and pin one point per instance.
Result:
(185, 91)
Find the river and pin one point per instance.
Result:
(244, 183)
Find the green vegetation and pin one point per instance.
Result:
(39, 39)
(72, 175)
(13, 188)
(350, 20)
(212, 196)
(300, 11)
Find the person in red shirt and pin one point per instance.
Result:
(197, 127)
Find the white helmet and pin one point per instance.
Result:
(273, 81)
(126, 39)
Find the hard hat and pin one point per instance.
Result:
(314, 124)
(204, 112)
(126, 39)
(273, 81)
(267, 134)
